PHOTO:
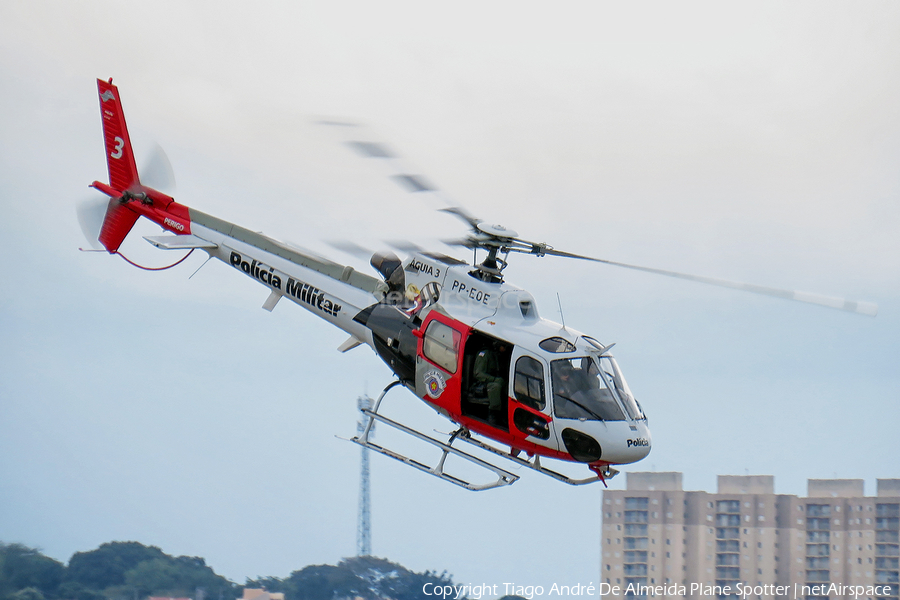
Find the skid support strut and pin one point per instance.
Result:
(504, 477)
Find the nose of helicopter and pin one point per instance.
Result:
(615, 442)
(633, 445)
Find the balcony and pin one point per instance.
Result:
(728, 546)
(728, 520)
(636, 516)
(636, 556)
(635, 543)
(728, 560)
(887, 563)
(887, 536)
(818, 536)
(733, 573)
(818, 576)
(635, 530)
(637, 503)
(887, 577)
(728, 533)
(635, 570)
(728, 506)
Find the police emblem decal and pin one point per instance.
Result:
(434, 384)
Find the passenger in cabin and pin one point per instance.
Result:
(487, 371)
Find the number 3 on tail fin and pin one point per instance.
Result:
(117, 151)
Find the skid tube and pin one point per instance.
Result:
(504, 477)
(535, 463)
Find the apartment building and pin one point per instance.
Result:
(745, 540)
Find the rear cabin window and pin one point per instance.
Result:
(529, 382)
(441, 346)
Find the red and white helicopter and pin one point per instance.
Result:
(470, 345)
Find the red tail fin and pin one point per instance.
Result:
(123, 173)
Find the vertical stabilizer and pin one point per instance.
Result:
(123, 173)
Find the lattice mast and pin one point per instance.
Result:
(363, 523)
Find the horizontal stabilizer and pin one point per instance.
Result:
(351, 343)
(179, 242)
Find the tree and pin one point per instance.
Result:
(106, 566)
(24, 568)
(364, 577)
(177, 576)
(72, 590)
(270, 584)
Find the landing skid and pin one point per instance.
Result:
(535, 463)
(504, 477)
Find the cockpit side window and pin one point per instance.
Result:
(441, 345)
(579, 392)
(529, 382)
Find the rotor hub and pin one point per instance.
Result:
(496, 230)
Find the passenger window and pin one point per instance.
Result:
(529, 382)
(441, 345)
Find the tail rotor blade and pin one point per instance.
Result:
(157, 172)
(90, 216)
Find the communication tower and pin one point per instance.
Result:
(363, 524)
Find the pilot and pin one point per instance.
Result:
(589, 367)
(487, 371)
(565, 386)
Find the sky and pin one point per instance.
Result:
(755, 142)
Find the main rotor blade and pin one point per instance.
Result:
(351, 248)
(404, 246)
(464, 215)
(863, 308)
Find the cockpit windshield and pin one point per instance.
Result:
(590, 387)
(610, 370)
(579, 392)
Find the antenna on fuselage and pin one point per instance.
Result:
(561, 315)
(201, 266)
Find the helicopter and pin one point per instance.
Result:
(468, 343)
